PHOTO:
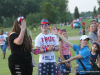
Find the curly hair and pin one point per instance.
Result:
(27, 43)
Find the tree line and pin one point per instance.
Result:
(55, 11)
(86, 14)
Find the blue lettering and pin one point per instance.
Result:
(48, 57)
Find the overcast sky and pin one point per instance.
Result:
(83, 5)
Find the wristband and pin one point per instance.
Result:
(37, 51)
(46, 49)
(54, 48)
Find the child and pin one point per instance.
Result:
(64, 54)
(95, 51)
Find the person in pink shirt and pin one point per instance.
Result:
(64, 54)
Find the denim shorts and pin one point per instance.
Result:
(62, 67)
(3, 48)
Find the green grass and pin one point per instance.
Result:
(87, 21)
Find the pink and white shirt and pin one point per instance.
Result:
(65, 49)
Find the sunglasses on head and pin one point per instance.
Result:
(93, 23)
(62, 30)
(44, 25)
(19, 19)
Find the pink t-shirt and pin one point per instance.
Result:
(66, 49)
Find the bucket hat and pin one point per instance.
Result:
(44, 21)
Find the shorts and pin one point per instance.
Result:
(48, 68)
(3, 48)
(62, 67)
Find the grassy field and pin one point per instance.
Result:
(4, 70)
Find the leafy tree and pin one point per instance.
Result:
(60, 7)
(68, 17)
(48, 12)
(62, 10)
(9, 21)
(86, 14)
(17, 8)
(99, 10)
(99, 7)
(76, 13)
(33, 18)
(94, 12)
(58, 10)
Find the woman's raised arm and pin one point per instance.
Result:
(62, 37)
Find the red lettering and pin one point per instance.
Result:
(45, 39)
(48, 38)
(42, 39)
(53, 39)
(43, 47)
(47, 46)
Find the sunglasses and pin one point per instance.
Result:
(62, 30)
(44, 25)
(19, 19)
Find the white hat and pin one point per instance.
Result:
(83, 37)
(93, 20)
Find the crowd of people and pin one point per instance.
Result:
(21, 62)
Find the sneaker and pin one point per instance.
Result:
(3, 57)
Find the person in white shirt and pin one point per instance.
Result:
(3, 45)
(47, 43)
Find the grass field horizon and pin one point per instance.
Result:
(4, 70)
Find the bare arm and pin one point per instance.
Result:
(20, 38)
(60, 51)
(41, 50)
(57, 48)
(98, 61)
(98, 40)
(71, 59)
(65, 39)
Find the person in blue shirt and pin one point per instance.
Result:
(82, 53)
